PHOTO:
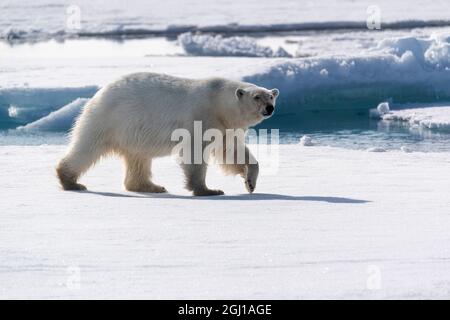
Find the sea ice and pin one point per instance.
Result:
(216, 45)
(437, 118)
(59, 120)
(322, 227)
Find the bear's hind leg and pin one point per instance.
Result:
(78, 160)
(138, 174)
(195, 180)
(67, 177)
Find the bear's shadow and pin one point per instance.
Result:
(254, 197)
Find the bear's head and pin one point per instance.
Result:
(256, 103)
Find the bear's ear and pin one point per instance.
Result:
(240, 93)
(275, 92)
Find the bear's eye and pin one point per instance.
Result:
(257, 97)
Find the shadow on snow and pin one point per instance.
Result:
(239, 197)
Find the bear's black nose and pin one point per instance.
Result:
(269, 109)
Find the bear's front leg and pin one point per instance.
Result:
(195, 180)
(251, 172)
(248, 170)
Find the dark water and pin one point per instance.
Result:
(351, 129)
(354, 129)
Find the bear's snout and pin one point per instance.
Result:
(269, 110)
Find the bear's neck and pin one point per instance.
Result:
(237, 121)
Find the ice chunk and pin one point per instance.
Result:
(306, 141)
(281, 53)
(13, 112)
(382, 109)
(216, 45)
(59, 120)
(429, 117)
(324, 72)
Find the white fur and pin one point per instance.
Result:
(136, 115)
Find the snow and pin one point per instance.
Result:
(209, 45)
(30, 20)
(332, 223)
(437, 118)
(433, 51)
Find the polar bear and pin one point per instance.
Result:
(135, 116)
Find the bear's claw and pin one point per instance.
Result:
(159, 189)
(251, 176)
(249, 186)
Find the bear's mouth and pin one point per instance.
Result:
(268, 110)
(266, 114)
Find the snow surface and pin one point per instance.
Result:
(331, 223)
(429, 117)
